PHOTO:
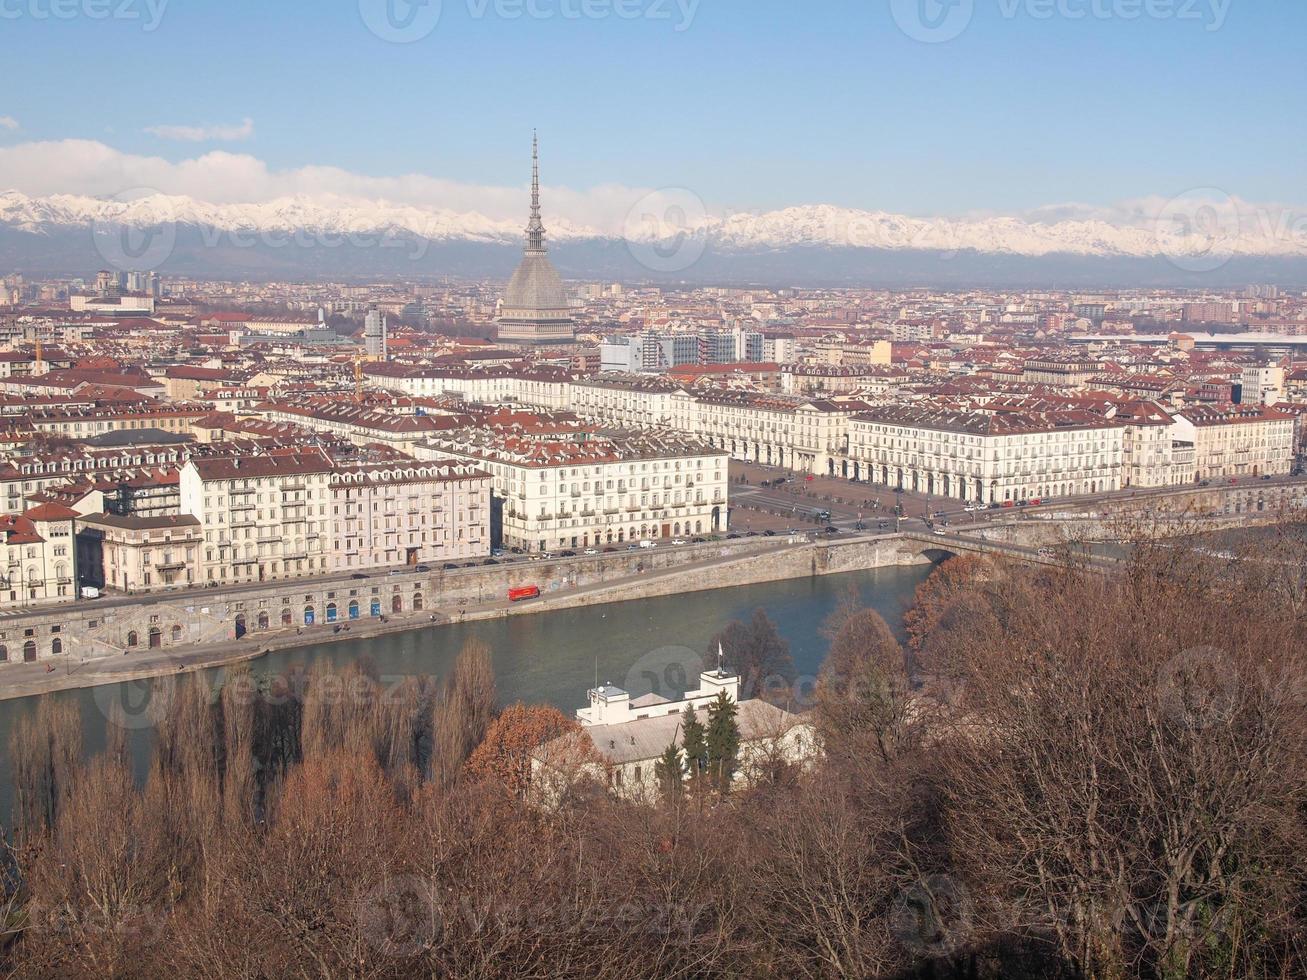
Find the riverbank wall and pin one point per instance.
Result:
(412, 601)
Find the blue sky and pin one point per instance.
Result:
(754, 105)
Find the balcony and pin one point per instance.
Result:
(170, 566)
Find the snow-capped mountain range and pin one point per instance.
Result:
(1178, 232)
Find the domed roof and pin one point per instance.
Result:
(535, 287)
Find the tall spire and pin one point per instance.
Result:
(535, 228)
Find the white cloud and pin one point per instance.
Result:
(94, 169)
(202, 134)
(9, 123)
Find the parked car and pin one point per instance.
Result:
(679, 541)
(832, 529)
(648, 544)
(358, 575)
(568, 554)
(449, 566)
(697, 540)
(422, 568)
(490, 561)
(592, 551)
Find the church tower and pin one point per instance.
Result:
(535, 308)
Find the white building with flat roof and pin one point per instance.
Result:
(624, 737)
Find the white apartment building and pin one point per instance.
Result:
(408, 513)
(1263, 385)
(987, 457)
(798, 433)
(575, 489)
(1237, 440)
(263, 517)
(38, 557)
(1151, 453)
(140, 554)
(809, 435)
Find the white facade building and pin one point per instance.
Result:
(623, 738)
(573, 489)
(987, 457)
(1241, 440)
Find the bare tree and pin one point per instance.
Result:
(463, 713)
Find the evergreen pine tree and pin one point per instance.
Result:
(696, 748)
(670, 772)
(722, 741)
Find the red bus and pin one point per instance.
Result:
(526, 592)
